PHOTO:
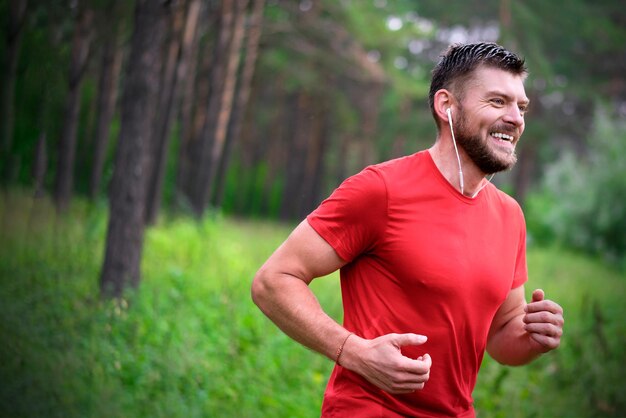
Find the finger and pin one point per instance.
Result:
(405, 382)
(544, 305)
(411, 378)
(406, 388)
(544, 329)
(428, 362)
(538, 295)
(543, 317)
(418, 367)
(401, 340)
(549, 343)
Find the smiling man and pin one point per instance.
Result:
(432, 258)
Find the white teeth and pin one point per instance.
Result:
(502, 136)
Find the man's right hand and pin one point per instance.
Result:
(381, 362)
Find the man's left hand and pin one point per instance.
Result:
(544, 322)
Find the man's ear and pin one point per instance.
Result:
(443, 101)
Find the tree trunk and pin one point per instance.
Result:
(316, 161)
(239, 110)
(223, 91)
(276, 151)
(194, 102)
(298, 132)
(107, 97)
(228, 94)
(64, 181)
(125, 234)
(40, 165)
(261, 159)
(203, 145)
(251, 152)
(17, 19)
(164, 116)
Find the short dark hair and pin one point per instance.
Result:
(459, 61)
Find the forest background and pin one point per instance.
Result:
(174, 140)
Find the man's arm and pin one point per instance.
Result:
(280, 289)
(520, 332)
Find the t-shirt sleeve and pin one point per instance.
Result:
(352, 219)
(521, 269)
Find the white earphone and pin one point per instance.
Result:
(458, 159)
(456, 151)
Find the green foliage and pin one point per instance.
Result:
(190, 343)
(582, 202)
(40, 91)
(368, 22)
(333, 51)
(251, 183)
(583, 377)
(575, 40)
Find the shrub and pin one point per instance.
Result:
(582, 199)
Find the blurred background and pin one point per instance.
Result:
(175, 143)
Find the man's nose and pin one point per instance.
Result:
(515, 116)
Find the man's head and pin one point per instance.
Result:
(459, 62)
(482, 86)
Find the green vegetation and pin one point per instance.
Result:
(192, 344)
(582, 199)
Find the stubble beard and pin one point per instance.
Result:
(478, 149)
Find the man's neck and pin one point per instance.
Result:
(444, 156)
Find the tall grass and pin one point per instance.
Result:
(585, 376)
(190, 343)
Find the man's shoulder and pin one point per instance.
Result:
(377, 181)
(401, 165)
(505, 200)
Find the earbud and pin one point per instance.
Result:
(456, 150)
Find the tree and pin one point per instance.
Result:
(360, 68)
(166, 107)
(223, 81)
(194, 95)
(125, 234)
(309, 49)
(241, 101)
(14, 33)
(67, 146)
(110, 68)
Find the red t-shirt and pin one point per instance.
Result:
(424, 259)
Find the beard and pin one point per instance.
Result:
(478, 149)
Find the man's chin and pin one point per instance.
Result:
(505, 161)
(496, 166)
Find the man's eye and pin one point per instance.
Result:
(498, 101)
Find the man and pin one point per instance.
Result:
(432, 258)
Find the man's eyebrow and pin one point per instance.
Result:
(525, 101)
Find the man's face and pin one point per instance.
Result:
(490, 120)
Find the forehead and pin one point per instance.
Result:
(486, 81)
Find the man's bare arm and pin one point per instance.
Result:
(520, 332)
(280, 289)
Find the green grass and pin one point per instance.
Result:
(190, 343)
(585, 376)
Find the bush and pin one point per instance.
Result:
(582, 200)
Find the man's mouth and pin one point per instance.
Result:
(502, 136)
